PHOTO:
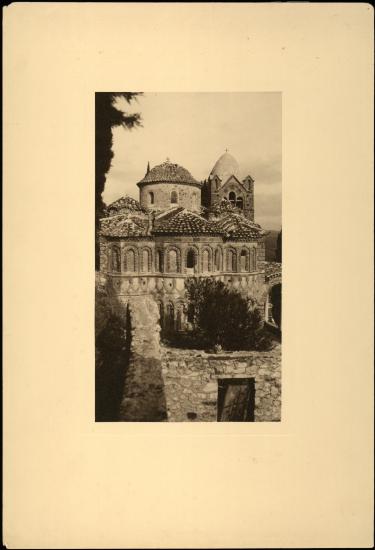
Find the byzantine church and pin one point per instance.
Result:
(181, 228)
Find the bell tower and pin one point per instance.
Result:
(224, 182)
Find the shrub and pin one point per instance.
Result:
(222, 317)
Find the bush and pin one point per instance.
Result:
(222, 317)
(192, 339)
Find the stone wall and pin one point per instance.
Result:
(191, 381)
(143, 397)
(170, 255)
(170, 295)
(188, 196)
(176, 385)
(135, 271)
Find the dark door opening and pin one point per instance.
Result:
(236, 400)
(275, 296)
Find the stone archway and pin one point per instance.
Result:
(275, 302)
(272, 313)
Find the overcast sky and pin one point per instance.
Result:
(193, 130)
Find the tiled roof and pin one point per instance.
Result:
(178, 221)
(184, 222)
(236, 226)
(167, 172)
(272, 269)
(222, 207)
(125, 203)
(124, 225)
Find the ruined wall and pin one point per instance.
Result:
(170, 295)
(176, 385)
(191, 382)
(143, 397)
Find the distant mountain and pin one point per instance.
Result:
(271, 242)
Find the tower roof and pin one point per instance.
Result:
(168, 172)
(225, 167)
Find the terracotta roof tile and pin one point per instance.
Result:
(124, 203)
(123, 225)
(272, 269)
(236, 226)
(184, 222)
(168, 172)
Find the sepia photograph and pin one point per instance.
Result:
(188, 301)
(188, 275)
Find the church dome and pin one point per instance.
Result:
(168, 172)
(225, 167)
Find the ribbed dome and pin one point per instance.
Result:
(225, 167)
(167, 172)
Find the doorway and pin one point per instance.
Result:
(236, 400)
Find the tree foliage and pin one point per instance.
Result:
(222, 317)
(108, 116)
(111, 361)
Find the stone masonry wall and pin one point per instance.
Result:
(246, 192)
(143, 396)
(191, 382)
(188, 196)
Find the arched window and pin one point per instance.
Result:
(116, 261)
(239, 203)
(243, 260)
(130, 261)
(232, 198)
(172, 261)
(151, 197)
(170, 317)
(159, 261)
(174, 197)
(145, 260)
(218, 259)
(254, 259)
(231, 260)
(180, 321)
(190, 259)
(205, 260)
